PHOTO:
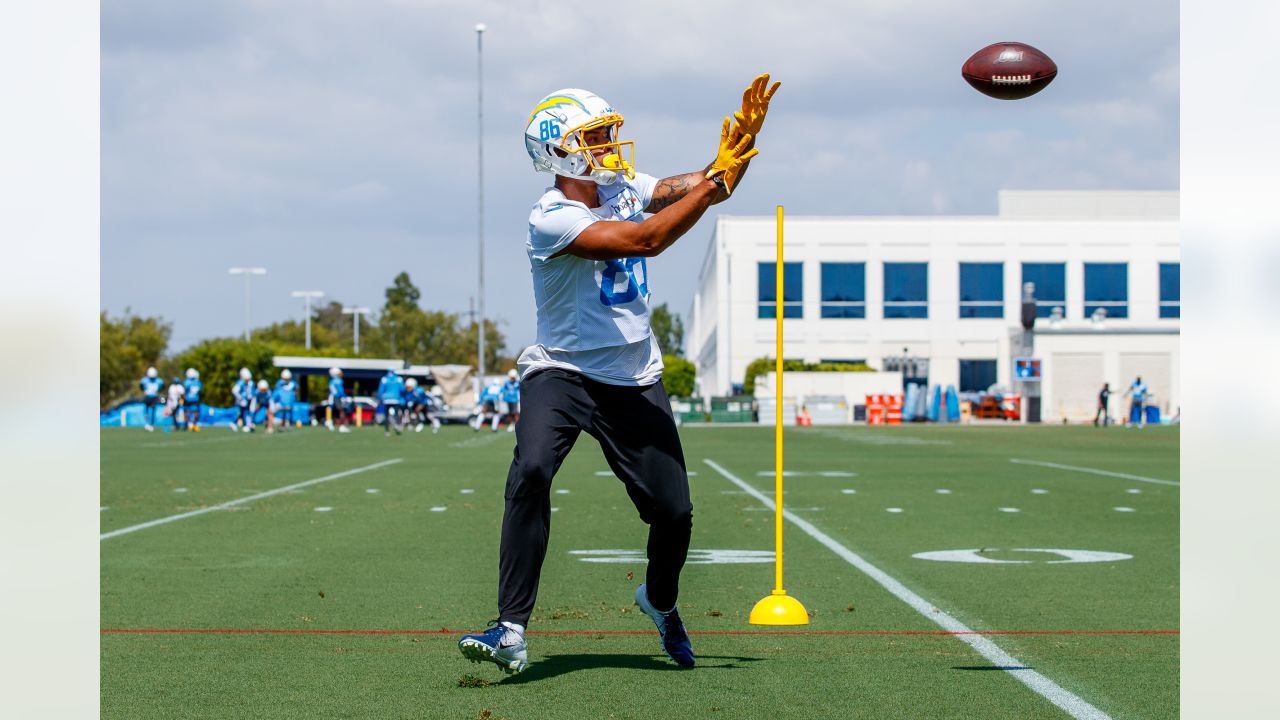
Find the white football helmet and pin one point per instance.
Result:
(191, 373)
(263, 385)
(555, 137)
(286, 374)
(410, 383)
(151, 372)
(513, 374)
(245, 374)
(335, 372)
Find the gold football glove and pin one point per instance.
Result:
(755, 103)
(732, 156)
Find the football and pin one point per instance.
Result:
(1009, 71)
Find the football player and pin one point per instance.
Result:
(339, 403)
(242, 392)
(595, 365)
(286, 394)
(391, 395)
(191, 401)
(173, 408)
(151, 385)
(509, 402)
(263, 400)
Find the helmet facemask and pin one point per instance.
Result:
(619, 157)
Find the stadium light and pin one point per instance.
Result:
(307, 295)
(480, 28)
(247, 272)
(356, 312)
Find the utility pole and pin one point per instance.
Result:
(356, 312)
(307, 295)
(480, 28)
(247, 272)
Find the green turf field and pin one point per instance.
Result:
(400, 551)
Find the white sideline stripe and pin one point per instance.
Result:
(1068, 702)
(251, 498)
(1094, 471)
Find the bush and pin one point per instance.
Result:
(219, 362)
(765, 365)
(678, 376)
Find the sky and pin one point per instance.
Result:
(335, 143)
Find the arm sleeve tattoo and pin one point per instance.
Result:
(671, 189)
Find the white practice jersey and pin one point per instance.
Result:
(593, 315)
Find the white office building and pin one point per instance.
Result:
(949, 290)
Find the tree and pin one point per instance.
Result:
(219, 362)
(668, 329)
(678, 376)
(294, 332)
(402, 294)
(127, 347)
(331, 318)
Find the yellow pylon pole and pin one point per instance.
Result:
(778, 608)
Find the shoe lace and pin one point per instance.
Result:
(673, 628)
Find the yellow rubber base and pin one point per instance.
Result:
(779, 609)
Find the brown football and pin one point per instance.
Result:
(1009, 70)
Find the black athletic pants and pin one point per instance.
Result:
(638, 435)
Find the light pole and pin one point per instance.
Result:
(480, 194)
(247, 272)
(356, 312)
(306, 295)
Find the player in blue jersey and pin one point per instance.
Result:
(509, 401)
(191, 401)
(242, 395)
(151, 386)
(286, 394)
(339, 403)
(416, 401)
(595, 365)
(391, 395)
(486, 409)
(262, 400)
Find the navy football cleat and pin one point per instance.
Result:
(496, 645)
(675, 641)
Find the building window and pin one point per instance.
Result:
(1170, 290)
(793, 290)
(1051, 286)
(976, 376)
(1106, 286)
(981, 290)
(906, 290)
(844, 290)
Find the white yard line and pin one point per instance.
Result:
(1093, 471)
(243, 500)
(1068, 702)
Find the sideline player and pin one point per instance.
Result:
(596, 365)
(286, 394)
(191, 402)
(151, 386)
(338, 402)
(1137, 393)
(242, 391)
(262, 400)
(391, 395)
(173, 409)
(509, 402)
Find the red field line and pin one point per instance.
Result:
(443, 631)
